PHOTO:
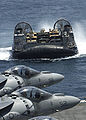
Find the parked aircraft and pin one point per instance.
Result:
(20, 76)
(30, 102)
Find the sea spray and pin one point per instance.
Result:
(80, 37)
(46, 25)
(5, 53)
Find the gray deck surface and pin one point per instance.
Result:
(76, 113)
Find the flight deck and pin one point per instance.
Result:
(76, 113)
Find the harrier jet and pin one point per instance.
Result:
(30, 102)
(21, 75)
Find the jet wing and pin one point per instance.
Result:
(5, 102)
(2, 81)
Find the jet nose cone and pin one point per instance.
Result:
(72, 101)
(57, 77)
(60, 77)
(75, 100)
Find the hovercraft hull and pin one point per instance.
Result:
(56, 43)
(44, 52)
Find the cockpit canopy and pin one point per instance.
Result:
(23, 71)
(32, 93)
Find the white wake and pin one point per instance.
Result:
(5, 53)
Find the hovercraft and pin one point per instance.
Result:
(56, 43)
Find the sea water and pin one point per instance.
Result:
(43, 14)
